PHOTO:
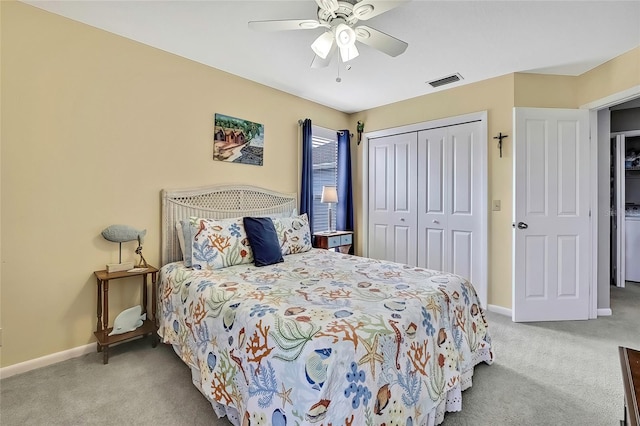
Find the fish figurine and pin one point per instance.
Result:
(315, 367)
(128, 320)
(123, 233)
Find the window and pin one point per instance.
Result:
(325, 172)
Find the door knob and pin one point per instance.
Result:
(522, 225)
(402, 219)
(435, 221)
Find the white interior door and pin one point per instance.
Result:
(551, 235)
(620, 211)
(392, 200)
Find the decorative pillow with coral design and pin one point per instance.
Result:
(294, 234)
(218, 243)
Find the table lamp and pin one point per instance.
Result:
(329, 195)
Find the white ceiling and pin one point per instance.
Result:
(478, 39)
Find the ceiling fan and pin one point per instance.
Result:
(339, 19)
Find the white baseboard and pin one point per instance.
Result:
(499, 310)
(604, 312)
(23, 367)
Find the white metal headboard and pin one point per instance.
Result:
(216, 202)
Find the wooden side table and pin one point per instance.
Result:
(342, 240)
(102, 328)
(630, 364)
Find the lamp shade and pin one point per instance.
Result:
(329, 194)
(348, 53)
(323, 44)
(345, 35)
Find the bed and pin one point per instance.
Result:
(321, 337)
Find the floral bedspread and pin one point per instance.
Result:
(325, 338)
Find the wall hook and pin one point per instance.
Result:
(360, 129)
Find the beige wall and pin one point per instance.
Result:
(94, 126)
(614, 76)
(496, 97)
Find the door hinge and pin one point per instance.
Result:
(589, 212)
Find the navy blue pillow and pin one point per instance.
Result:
(263, 240)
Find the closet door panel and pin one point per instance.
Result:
(432, 189)
(462, 169)
(392, 205)
(462, 253)
(403, 251)
(462, 201)
(433, 242)
(378, 241)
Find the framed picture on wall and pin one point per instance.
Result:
(237, 141)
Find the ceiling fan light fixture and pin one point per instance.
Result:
(348, 53)
(322, 45)
(345, 36)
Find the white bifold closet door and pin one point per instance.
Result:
(449, 202)
(424, 199)
(392, 198)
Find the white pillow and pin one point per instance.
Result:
(218, 243)
(180, 237)
(294, 234)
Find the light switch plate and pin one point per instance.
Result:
(496, 205)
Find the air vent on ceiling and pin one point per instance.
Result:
(445, 80)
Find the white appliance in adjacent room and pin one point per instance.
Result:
(632, 243)
(625, 191)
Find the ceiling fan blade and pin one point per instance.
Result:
(288, 24)
(318, 62)
(329, 5)
(381, 41)
(367, 9)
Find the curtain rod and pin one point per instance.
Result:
(301, 122)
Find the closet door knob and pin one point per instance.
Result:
(402, 219)
(435, 221)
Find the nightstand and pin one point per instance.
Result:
(341, 240)
(102, 328)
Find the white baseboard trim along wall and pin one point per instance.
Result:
(23, 367)
(499, 310)
(602, 312)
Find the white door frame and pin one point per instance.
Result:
(484, 173)
(593, 107)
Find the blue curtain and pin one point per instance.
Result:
(306, 190)
(344, 214)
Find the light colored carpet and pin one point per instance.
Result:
(557, 373)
